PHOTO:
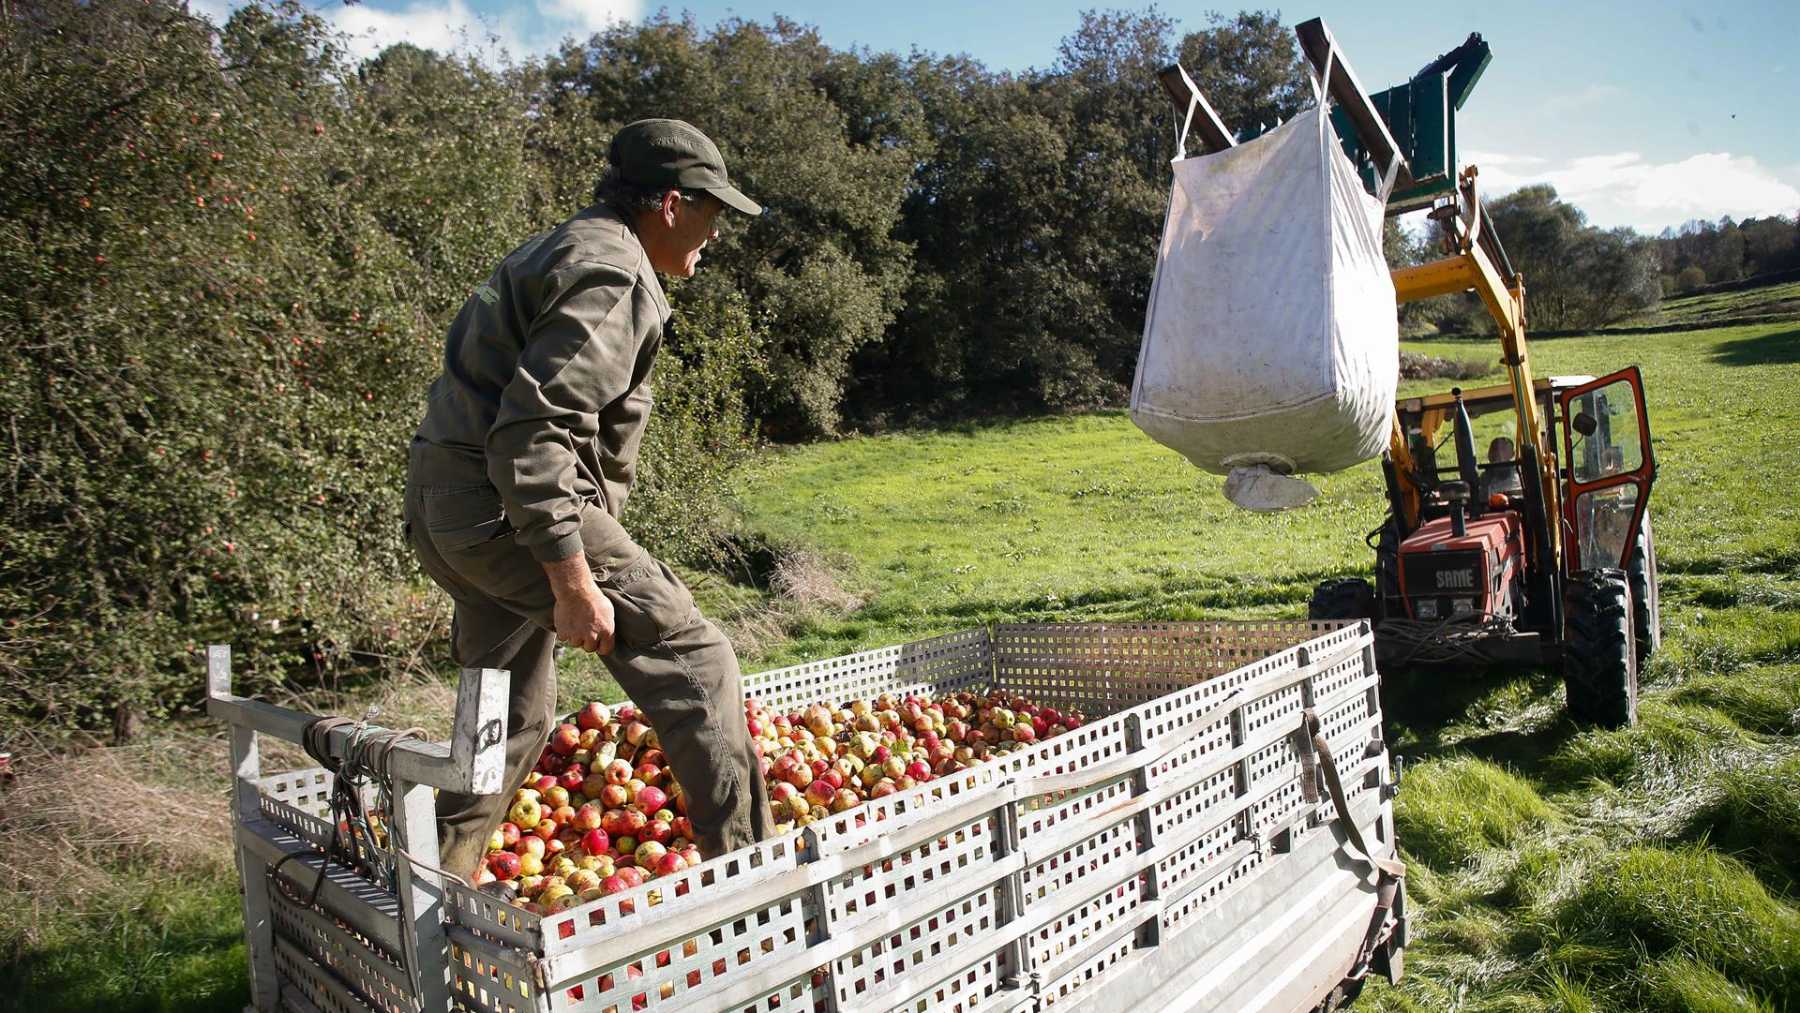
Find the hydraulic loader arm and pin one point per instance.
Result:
(1478, 262)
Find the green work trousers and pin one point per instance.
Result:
(674, 664)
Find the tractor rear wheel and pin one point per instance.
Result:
(1646, 598)
(1344, 598)
(1600, 652)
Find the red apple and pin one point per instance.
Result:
(820, 793)
(504, 865)
(651, 799)
(614, 796)
(595, 716)
(588, 817)
(658, 831)
(595, 842)
(618, 771)
(565, 739)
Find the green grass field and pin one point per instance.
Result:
(1552, 868)
(1700, 310)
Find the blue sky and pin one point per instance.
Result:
(1643, 114)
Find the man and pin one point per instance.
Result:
(517, 476)
(1502, 473)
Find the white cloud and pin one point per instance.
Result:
(452, 26)
(445, 27)
(1625, 188)
(586, 16)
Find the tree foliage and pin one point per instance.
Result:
(1576, 275)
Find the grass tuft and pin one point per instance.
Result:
(1453, 809)
(1667, 742)
(1765, 701)
(1678, 984)
(1692, 902)
(1755, 815)
(125, 812)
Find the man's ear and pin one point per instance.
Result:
(670, 199)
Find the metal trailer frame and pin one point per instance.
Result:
(320, 936)
(1176, 852)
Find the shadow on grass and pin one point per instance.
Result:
(191, 975)
(1781, 348)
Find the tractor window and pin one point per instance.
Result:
(1606, 432)
(1604, 517)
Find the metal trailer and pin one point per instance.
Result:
(1184, 850)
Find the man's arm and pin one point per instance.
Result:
(579, 357)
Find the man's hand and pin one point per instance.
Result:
(584, 616)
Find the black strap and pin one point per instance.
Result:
(1389, 872)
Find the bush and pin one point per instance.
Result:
(232, 267)
(1690, 278)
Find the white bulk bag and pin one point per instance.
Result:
(1271, 342)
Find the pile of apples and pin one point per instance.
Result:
(601, 812)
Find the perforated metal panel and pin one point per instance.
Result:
(948, 664)
(1036, 881)
(376, 977)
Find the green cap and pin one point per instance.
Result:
(675, 155)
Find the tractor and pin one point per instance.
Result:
(1517, 529)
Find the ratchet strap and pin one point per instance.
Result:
(1389, 872)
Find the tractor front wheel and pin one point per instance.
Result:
(1646, 599)
(1600, 655)
(1345, 598)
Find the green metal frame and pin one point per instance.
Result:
(1421, 115)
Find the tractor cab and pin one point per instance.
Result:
(1502, 541)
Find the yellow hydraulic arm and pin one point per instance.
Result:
(1473, 266)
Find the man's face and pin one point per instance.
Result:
(674, 235)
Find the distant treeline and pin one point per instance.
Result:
(231, 253)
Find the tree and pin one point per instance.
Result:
(1575, 275)
(823, 271)
(1249, 68)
